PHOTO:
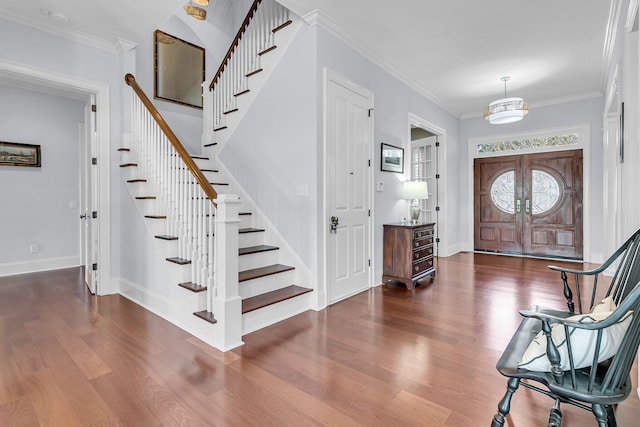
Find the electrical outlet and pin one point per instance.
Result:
(380, 186)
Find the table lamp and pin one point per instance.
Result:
(415, 190)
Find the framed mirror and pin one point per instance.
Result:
(179, 70)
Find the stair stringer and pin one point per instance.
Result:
(177, 304)
(282, 39)
(301, 276)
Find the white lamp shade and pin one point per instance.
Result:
(415, 190)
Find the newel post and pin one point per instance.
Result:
(227, 304)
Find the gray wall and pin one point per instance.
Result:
(36, 201)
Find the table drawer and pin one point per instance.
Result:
(422, 242)
(421, 266)
(422, 253)
(422, 232)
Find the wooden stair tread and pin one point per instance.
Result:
(267, 50)
(136, 180)
(281, 26)
(272, 297)
(230, 111)
(156, 216)
(205, 315)
(179, 261)
(128, 165)
(165, 237)
(210, 145)
(241, 93)
(263, 271)
(210, 170)
(220, 128)
(200, 157)
(193, 287)
(244, 213)
(250, 230)
(256, 249)
(254, 72)
(145, 197)
(124, 149)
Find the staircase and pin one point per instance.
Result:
(176, 193)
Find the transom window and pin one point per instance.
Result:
(528, 143)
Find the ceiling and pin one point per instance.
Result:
(453, 51)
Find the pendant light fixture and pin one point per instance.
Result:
(506, 110)
(195, 11)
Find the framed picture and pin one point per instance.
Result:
(179, 70)
(392, 159)
(14, 154)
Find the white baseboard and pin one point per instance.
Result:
(23, 267)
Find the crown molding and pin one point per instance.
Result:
(547, 102)
(318, 18)
(76, 36)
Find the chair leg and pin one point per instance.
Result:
(602, 414)
(611, 417)
(505, 404)
(555, 416)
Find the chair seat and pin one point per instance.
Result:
(508, 366)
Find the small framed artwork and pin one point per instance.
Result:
(392, 159)
(14, 154)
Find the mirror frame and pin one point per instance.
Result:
(163, 70)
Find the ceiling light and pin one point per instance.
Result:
(506, 110)
(196, 12)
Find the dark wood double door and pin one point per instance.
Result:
(529, 204)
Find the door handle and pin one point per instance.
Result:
(334, 224)
(527, 206)
(84, 216)
(518, 206)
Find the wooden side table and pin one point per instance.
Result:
(408, 253)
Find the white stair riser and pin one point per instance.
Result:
(250, 239)
(251, 261)
(254, 287)
(269, 315)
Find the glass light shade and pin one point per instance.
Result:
(196, 12)
(506, 110)
(415, 190)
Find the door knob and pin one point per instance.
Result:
(334, 224)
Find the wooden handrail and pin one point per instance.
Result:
(182, 152)
(235, 42)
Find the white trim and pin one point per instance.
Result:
(73, 84)
(78, 36)
(610, 40)
(443, 245)
(332, 76)
(632, 16)
(318, 18)
(23, 267)
(584, 143)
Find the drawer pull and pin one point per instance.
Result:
(417, 268)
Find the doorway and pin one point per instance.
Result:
(348, 184)
(530, 204)
(70, 86)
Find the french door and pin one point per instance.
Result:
(529, 204)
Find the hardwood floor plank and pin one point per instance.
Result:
(385, 357)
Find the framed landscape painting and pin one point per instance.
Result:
(14, 154)
(392, 158)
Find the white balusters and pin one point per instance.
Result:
(189, 211)
(245, 59)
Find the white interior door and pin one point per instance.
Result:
(89, 197)
(349, 134)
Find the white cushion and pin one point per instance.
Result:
(583, 342)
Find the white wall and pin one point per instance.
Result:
(576, 113)
(36, 201)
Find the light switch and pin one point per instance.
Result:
(302, 190)
(379, 186)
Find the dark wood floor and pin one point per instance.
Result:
(386, 357)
